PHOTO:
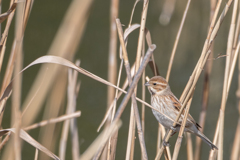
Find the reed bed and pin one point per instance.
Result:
(56, 88)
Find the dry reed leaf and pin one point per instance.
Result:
(25, 136)
(54, 120)
(64, 62)
(134, 27)
(61, 61)
(130, 30)
(6, 14)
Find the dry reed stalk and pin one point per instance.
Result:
(143, 95)
(166, 155)
(137, 62)
(134, 102)
(167, 11)
(237, 30)
(130, 90)
(236, 143)
(5, 140)
(180, 135)
(206, 84)
(75, 139)
(226, 81)
(189, 147)
(167, 152)
(54, 120)
(0, 24)
(65, 45)
(74, 131)
(16, 99)
(233, 64)
(72, 90)
(208, 42)
(141, 34)
(48, 134)
(177, 40)
(36, 155)
(131, 136)
(117, 95)
(4, 35)
(173, 54)
(112, 66)
(9, 69)
(28, 9)
(113, 108)
(16, 113)
(159, 137)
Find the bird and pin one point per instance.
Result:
(163, 100)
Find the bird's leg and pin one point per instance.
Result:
(164, 143)
(174, 129)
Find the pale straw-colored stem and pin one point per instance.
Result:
(189, 147)
(175, 47)
(141, 33)
(137, 62)
(112, 68)
(134, 102)
(226, 81)
(180, 135)
(233, 65)
(131, 17)
(16, 113)
(236, 143)
(53, 120)
(131, 90)
(113, 139)
(206, 85)
(36, 154)
(177, 40)
(72, 91)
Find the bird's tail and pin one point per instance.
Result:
(205, 139)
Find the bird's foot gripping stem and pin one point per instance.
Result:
(165, 144)
(174, 129)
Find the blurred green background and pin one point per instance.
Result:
(44, 21)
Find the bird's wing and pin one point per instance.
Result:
(178, 107)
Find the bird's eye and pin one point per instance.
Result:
(154, 84)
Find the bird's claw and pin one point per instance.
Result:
(173, 129)
(166, 144)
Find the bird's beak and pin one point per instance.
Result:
(147, 84)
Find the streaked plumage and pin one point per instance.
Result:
(164, 100)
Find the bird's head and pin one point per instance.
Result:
(157, 85)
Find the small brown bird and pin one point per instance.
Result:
(164, 100)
